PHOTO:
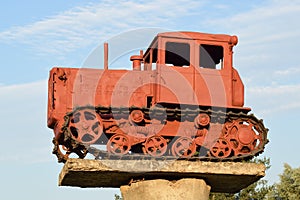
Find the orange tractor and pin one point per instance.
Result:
(182, 99)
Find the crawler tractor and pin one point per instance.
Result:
(182, 100)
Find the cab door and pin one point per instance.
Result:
(175, 71)
(213, 75)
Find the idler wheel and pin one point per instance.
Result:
(118, 144)
(202, 120)
(184, 147)
(136, 116)
(243, 137)
(221, 149)
(85, 126)
(156, 146)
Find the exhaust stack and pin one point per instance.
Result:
(106, 56)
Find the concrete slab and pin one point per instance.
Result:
(221, 176)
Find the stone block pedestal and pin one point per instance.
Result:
(160, 189)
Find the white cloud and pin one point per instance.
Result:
(25, 88)
(24, 134)
(264, 30)
(270, 16)
(82, 26)
(288, 71)
(279, 90)
(280, 99)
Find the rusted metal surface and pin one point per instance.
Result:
(183, 99)
(229, 177)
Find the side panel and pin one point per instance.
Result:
(121, 88)
(213, 87)
(237, 90)
(176, 85)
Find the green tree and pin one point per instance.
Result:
(289, 185)
(259, 189)
(255, 191)
(117, 197)
(221, 196)
(287, 189)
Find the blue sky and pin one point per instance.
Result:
(35, 36)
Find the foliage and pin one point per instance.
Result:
(257, 190)
(289, 185)
(117, 197)
(221, 196)
(288, 188)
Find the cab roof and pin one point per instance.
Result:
(197, 35)
(231, 40)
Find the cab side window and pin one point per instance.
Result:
(150, 59)
(211, 56)
(177, 54)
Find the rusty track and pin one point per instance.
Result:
(217, 115)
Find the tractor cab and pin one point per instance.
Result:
(198, 66)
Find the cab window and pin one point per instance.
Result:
(211, 56)
(150, 59)
(177, 54)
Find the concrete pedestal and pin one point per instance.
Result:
(160, 189)
(228, 177)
